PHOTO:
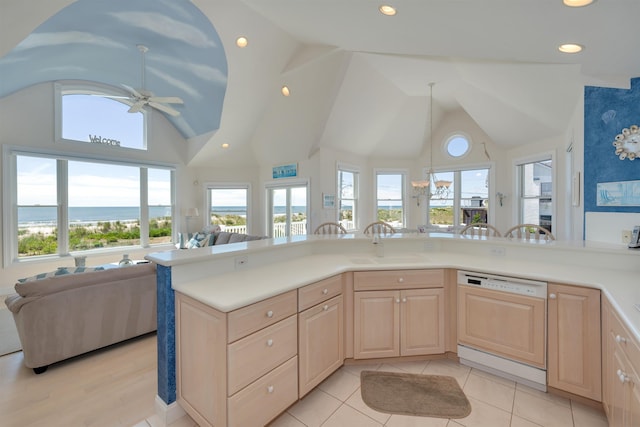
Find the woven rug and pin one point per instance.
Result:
(412, 394)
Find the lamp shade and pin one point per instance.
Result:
(191, 212)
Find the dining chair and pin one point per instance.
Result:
(481, 229)
(379, 227)
(529, 232)
(330, 228)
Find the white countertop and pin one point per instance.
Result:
(611, 269)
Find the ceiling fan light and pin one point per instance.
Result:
(570, 48)
(578, 3)
(285, 91)
(242, 42)
(387, 10)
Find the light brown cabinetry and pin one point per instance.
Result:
(320, 332)
(621, 365)
(398, 313)
(574, 340)
(238, 368)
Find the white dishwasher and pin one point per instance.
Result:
(502, 326)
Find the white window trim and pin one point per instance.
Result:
(285, 183)
(340, 166)
(10, 195)
(449, 137)
(539, 157)
(404, 191)
(216, 185)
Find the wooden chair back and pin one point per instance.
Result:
(330, 228)
(529, 232)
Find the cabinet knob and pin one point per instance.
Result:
(269, 342)
(270, 314)
(552, 296)
(325, 291)
(326, 307)
(400, 280)
(404, 300)
(397, 299)
(270, 389)
(623, 378)
(620, 339)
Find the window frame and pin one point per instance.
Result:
(457, 191)
(208, 186)
(10, 194)
(61, 88)
(288, 185)
(518, 211)
(403, 191)
(343, 167)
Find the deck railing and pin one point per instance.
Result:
(279, 228)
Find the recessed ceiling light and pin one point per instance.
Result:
(570, 48)
(577, 3)
(225, 145)
(242, 41)
(285, 91)
(385, 9)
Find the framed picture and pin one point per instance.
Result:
(328, 201)
(285, 171)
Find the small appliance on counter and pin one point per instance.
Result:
(635, 238)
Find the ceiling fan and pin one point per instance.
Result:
(141, 97)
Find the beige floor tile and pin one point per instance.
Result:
(415, 367)
(542, 395)
(341, 384)
(542, 411)
(315, 408)
(494, 378)
(356, 402)
(516, 421)
(388, 367)
(488, 391)
(408, 421)
(454, 424)
(586, 416)
(448, 367)
(286, 420)
(346, 416)
(485, 415)
(357, 368)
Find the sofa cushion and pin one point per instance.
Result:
(237, 237)
(200, 240)
(222, 237)
(60, 272)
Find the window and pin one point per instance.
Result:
(466, 201)
(89, 114)
(67, 205)
(348, 198)
(535, 191)
(390, 198)
(228, 207)
(457, 146)
(287, 210)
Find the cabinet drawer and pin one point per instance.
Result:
(396, 279)
(247, 320)
(626, 342)
(255, 355)
(315, 293)
(263, 400)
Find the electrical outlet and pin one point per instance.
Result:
(497, 250)
(241, 261)
(626, 236)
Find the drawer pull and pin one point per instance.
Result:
(400, 280)
(404, 300)
(326, 307)
(622, 376)
(270, 389)
(270, 313)
(552, 296)
(325, 291)
(620, 339)
(397, 299)
(269, 342)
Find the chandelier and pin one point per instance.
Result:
(440, 187)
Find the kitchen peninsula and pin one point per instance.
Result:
(215, 283)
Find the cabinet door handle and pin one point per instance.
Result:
(269, 342)
(620, 339)
(325, 308)
(397, 300)
(404, 300)
(552, 296)
(623, 378)
(270, 389)
(270, 313)
(325, 291)
(400, 280)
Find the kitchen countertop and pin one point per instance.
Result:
(612, 269)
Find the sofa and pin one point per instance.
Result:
(212, 238)
(59, 316)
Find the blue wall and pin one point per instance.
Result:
(606, 113)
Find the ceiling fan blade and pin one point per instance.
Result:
(110, 96)
(167, 99)
(132, 91)
(165, 109)
(137, 107)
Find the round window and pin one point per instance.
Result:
(457, 146)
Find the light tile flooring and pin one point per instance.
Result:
(116, 387)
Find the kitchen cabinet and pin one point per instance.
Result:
(574, 340)
(320, 332)
(621, 365)
(227, 362)
(397, 321)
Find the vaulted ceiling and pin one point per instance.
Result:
(358, 79)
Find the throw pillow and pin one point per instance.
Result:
(199, 240)
(59, 272)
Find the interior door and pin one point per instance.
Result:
(287, 210)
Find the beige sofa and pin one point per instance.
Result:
(66, 315)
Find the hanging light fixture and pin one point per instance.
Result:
(439, 188)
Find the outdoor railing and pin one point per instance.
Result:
(279, 229)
